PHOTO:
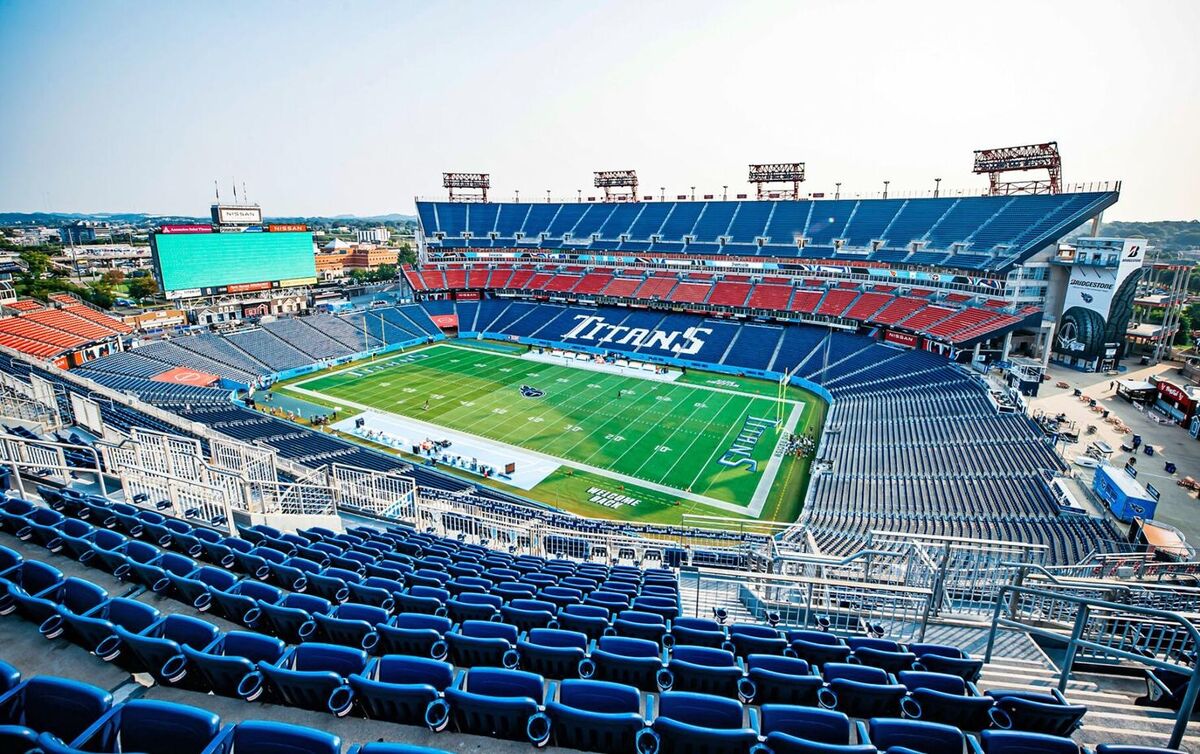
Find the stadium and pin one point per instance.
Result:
(620, 473)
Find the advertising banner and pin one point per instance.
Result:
(1099, 297)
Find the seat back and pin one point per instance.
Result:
(495, 702)
(925, 737)
(154, 727)
(280, 738)
(58, 706)
(596, 716)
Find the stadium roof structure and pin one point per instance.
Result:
(978, 233)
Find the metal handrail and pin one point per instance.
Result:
(1076, 641)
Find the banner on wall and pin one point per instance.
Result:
(1099, 297)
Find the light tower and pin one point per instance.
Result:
(612, 180)
(1017, 160)
(467, 187)
(762, 175)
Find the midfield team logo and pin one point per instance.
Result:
(531, 392)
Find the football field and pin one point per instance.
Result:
(710, 440)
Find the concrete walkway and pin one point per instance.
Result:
(1177, 506)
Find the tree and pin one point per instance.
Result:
(36, 263)
(114, 277)
(407, 255)
(143, 287)
(384, 272)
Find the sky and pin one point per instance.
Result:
(326, 108)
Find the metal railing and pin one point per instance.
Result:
(1104, 631)
(848, 606)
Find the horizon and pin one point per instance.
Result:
(356, 110)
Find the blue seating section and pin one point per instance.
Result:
(312, 342)
(270, 349)
(977, 232)
(757, 687)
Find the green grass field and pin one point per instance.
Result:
(666, 438)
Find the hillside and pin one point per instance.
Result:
(1164, 235)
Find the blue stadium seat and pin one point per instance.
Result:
(415, 634)
(240, 602)
(310, 676)
(620, 659)
(96, 630)
(74, 595)
(467, 606)
(1036, 712)
(697, 724)
(1021, 742)
(707, 670)
(864, 691)
(918, 736)
(492, 702)
(158, 649)
(893, 661)
(257, 737)
(942, 658)
(41, 526)
(550, 652)
(528, 614)
(590, 620)
(748, 638)
(143, 725)
(28, 577)
(481, 643)
(789, 729)
(221, 666)
(376, 590)
(423, 599)
(196, 587)
(44, 704)
(699, 632)
(349, 624)
(333, 583)
(783, 680)
(291, 619)
(72, 536)
(817, 647)
(592, 716)
(399, 689)
(946, 698)
(640, 625)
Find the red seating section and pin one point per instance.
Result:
(656, 287)
(867, 304)
(622, 287)
(952, 318)
(836, 302)
(805, 300)
(690, 293)
(924, 318)
(896, 311)
(727, 293)
(44, 332)
(770, 296)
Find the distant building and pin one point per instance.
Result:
(36, 236)
(379, 235)
(337, 258)
(84, 231)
